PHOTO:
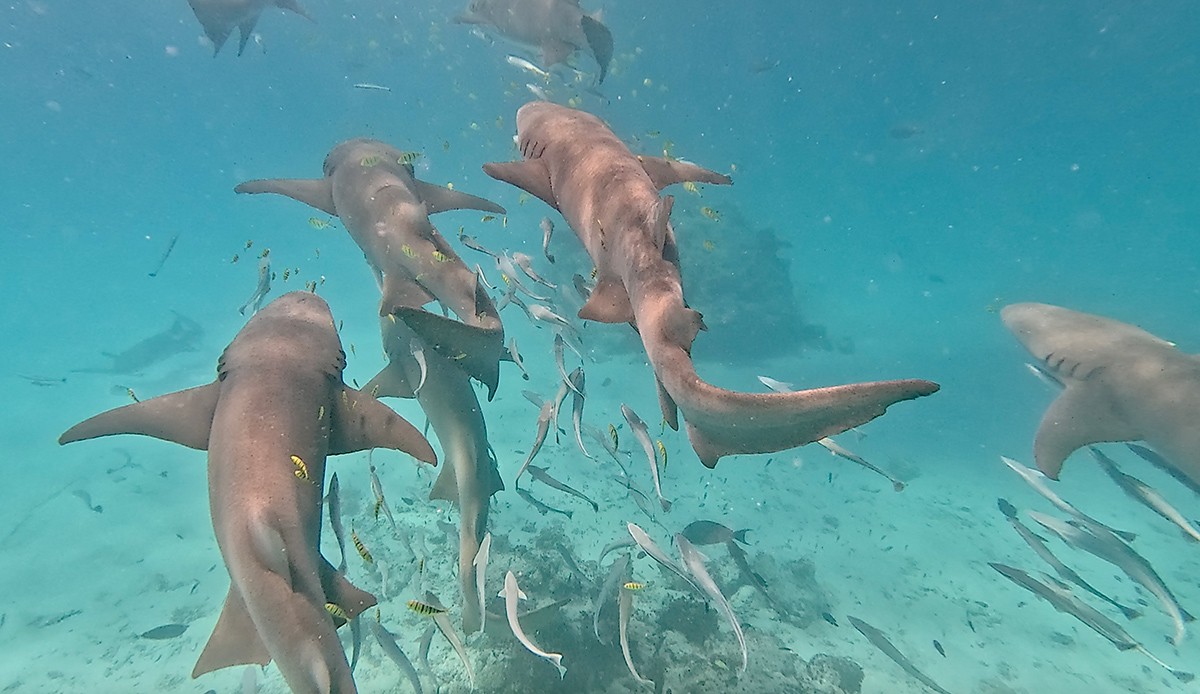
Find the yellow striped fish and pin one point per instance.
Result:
(634, 585)
(662, 450)
(301, 469)
(336, 611)
(423, 609)
(362, 549)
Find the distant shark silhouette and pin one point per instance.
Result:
(278, 399)
(184, 335)
(610, 198)
(556, 27)
(220, 17)
(1120, 383)
(386, 210)
(469, 476)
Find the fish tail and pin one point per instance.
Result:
(740, 536)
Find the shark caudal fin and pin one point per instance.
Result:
(234, 641)
(314, 192)
(359, 422)
(184, 417)
(600, 40)
(722, 422)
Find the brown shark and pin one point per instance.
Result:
(610, 197)
(469, 476)
(1120, 383)
(276, 410)
(220, 17)
(386, 210)
(557, 27)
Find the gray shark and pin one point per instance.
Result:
(610, 197)
(220, 17)
(276, 410)
(386, 210)
(556, 27)
(469, 476)
(1120, 383)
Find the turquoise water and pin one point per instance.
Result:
(918, 166)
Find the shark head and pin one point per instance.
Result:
(1120, 383)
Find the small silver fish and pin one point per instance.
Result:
(512, 593)
(517, 61)
(638, 427)
(547, 232)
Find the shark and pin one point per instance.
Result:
(469, 475)
(220, 17)
(276, 410)
(611, 199)
(368, 185)
(557, 28)
(1120, 383)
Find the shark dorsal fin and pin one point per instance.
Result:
(314, 192)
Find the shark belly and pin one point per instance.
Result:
(267, 523)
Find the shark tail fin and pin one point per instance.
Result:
(314, 192)
(600, 40)
(476, 350)
(360, 422)
(722, 422)
(234, 641)
(184, 417)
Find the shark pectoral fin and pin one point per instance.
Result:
(441, 199)
(343, 593)
(390, 382)
(361, 422)
(246, 30)
(234, 641)
(555, 51)
(530, 176)
(608, 303)
(600, 40)
(1078, 417)
(670, 411)
(445, 487)
(314, 192)
(475, 350)
(665, 172)
(184, 417)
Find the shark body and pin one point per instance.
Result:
(1120, 383)
(277, 408)
(220, 17)
(386, 210)
(557, 28)
(610, 197)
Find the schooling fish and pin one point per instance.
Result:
(334, 501)
(1063, 601)
(1038, 545)
(1144, 494)
(694, 562)
(638, 427)
(558, 362)
(254, 303)
(880, 641)
(442, 620)
(1037, 480)
(655, 552)
(625, 607)
(706, 532)
(480, 563)
(836, 449)
(547, 232)
(541, 475)
(543, 428)
(541, 507)
(515, 355)
(166, 631)
(387, 641)
(1097, 540)
(618, 574)
(525, 263)
(512, 592)
(576, 381)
